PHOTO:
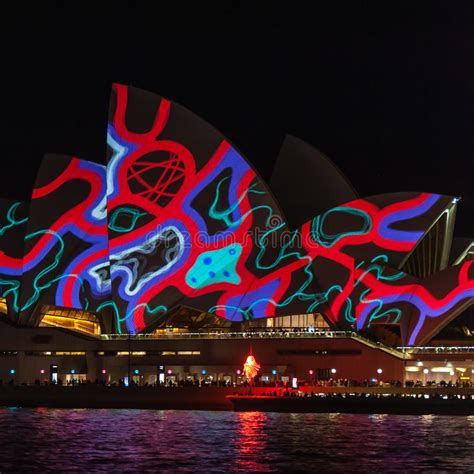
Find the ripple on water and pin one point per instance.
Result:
(183, 441)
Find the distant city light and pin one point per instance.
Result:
(311, 371)
(333, 371)
(274, 371)
(73, 371)
(203, 371)
(238, 372)
(169, 371)
(12, 371)
(136, 371)
(379, 371)
(42, 371)
(104, 371)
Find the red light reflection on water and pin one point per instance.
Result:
(252, 441)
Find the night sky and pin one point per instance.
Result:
(391, 106)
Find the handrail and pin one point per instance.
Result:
(435, 349)
(277, 334)
(378, 345)
(258, 334)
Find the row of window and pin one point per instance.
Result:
(55, 353)
(81, 325)
(107, 353)
(149, 353)
(68, 313)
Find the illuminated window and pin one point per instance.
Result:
(189, 353)
(300, 321)
(73, 319)
(133, 353)
(56, 353)
(169, 330)
(168, 353)
(3, 306)
(76, 353)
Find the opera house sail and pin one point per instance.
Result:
(177, 218)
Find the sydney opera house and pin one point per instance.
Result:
(175, 259)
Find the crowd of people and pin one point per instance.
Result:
(443, 383)
(277, 384)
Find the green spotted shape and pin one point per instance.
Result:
(215, 266)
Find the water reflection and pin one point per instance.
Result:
(251, 442)
(377, 418)
(428, 419)
(189, 441)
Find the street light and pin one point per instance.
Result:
(379, 371)
(333, 371)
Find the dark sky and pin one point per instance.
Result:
(389, 101)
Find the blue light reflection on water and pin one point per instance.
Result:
(187, 441)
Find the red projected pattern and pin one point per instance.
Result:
(372, 289)
(65, 240)
(162, 187)
(189, 222)
(209, 219)
(339, 262)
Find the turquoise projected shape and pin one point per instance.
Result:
(215, 266)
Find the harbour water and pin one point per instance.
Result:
(106, 440)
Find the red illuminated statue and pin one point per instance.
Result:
(251, 368)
